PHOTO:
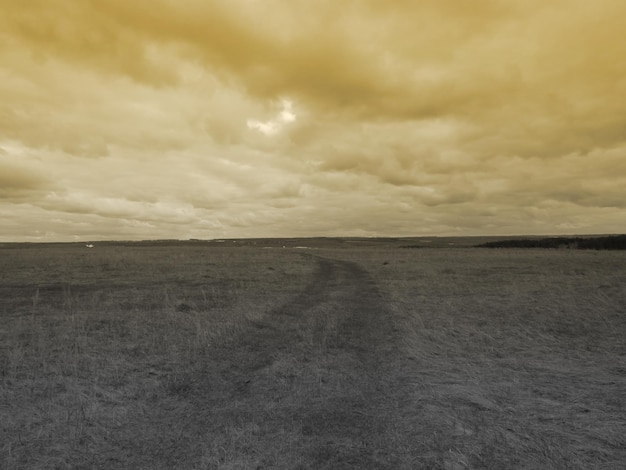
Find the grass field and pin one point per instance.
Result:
(369, 356)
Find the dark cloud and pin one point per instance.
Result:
(18, 182)
(476, 116)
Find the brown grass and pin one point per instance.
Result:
(518, 358)
(224, 358)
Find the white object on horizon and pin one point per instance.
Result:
(89, 245)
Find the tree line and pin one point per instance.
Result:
(611, 242)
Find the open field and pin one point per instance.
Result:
(338, 355)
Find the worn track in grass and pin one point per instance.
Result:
(337, 333)
(310, 384)
(351, 427)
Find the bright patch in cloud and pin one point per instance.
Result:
(287, 115)
(274, 126)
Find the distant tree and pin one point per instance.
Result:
(613, 242)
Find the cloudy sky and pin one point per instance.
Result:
(205, 119)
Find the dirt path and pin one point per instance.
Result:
(355, 427)
(310, 384)
(324, 365)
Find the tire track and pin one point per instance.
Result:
(314, 293)
(332, 398)
(352, 427)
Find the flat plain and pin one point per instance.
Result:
(311, 355)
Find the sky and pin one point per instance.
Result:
(206, 119)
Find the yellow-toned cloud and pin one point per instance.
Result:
(276, 124)
(20, 180)
(17, 182)
(466, 115)
(499, 60)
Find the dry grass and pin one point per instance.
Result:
(517, 357)
(96, 345)
(229, 358)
